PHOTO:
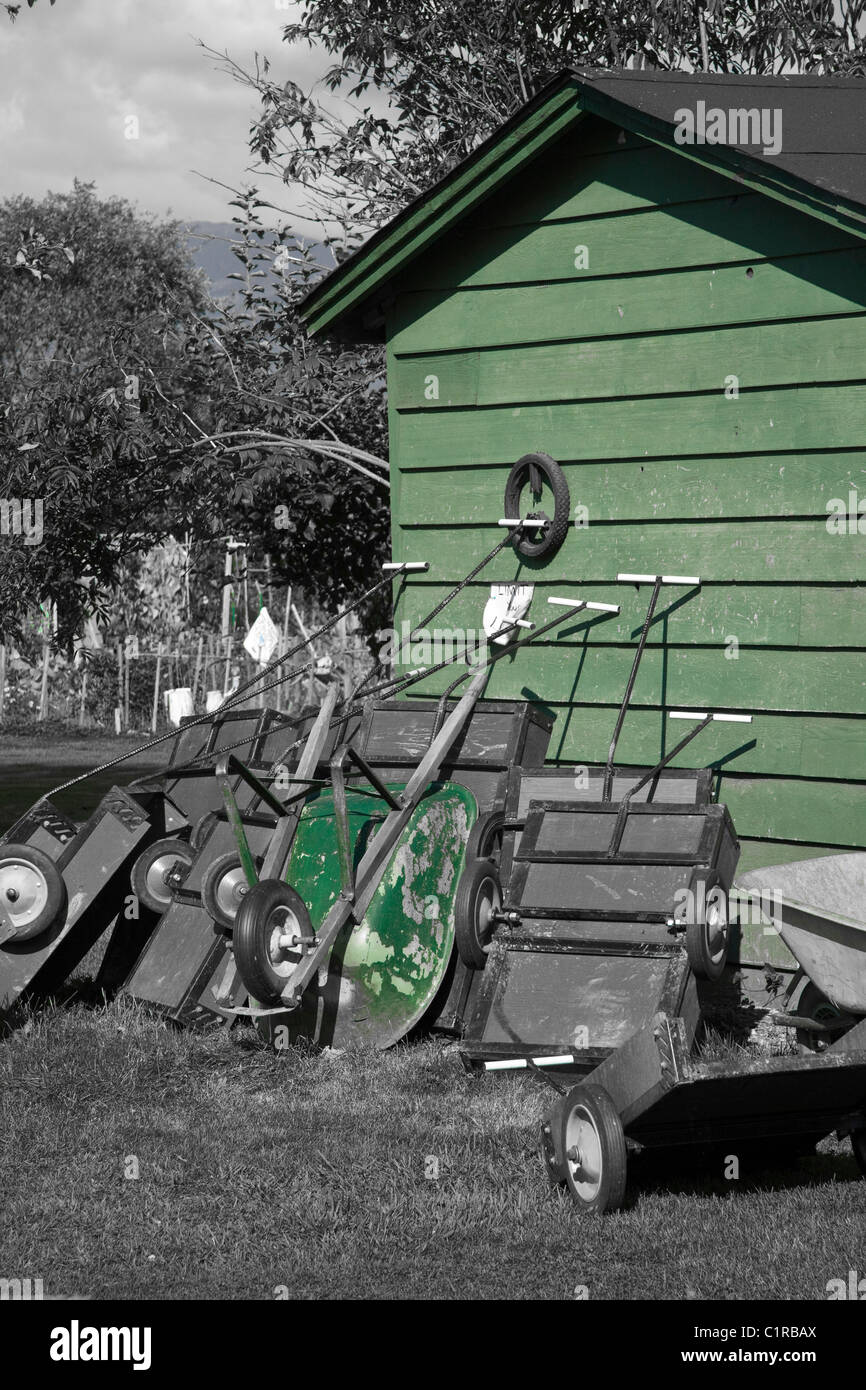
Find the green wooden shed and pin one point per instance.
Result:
(680, 323)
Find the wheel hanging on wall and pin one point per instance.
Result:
(478, 898)
(707, 940)
(536, 470)
(585, 1148)
(223, 888)
(159, 869)
(32, 891)
(272, 934)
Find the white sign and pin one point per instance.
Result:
(262, 639)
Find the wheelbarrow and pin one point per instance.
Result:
(819, 909)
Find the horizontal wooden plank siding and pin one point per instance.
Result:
(619, 362)
(794, 287)
(748, 485)
(759, 421)
(653, 364)
(745, 552)
(704, 233)
(757, 615)
(682, 678)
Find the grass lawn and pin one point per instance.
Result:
(307, 1171)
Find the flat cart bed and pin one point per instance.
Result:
(652, 1092)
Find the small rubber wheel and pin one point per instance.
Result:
(272, 934)
(202, 829)
(158, 870)
(858, 1148)
(813, 1003)
(485, 837)
(32, 890)
(223, 888)
(535, 470)
(478, 898)
(592, 1144)
(707, 941)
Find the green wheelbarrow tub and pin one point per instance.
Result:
(383, 972)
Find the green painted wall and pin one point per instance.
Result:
(619, 371)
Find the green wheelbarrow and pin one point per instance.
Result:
(347, 935)
(384, 970)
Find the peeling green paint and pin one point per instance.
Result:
(384, 972)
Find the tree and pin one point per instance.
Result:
(12, 10)
(452, 70)
(133, 408)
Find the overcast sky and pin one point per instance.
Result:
(71, 74)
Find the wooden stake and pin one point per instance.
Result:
(83, 701)
(155, 712)
(2, 678)
(126, 692)
(43, 695)
(197, 669)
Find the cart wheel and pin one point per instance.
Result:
(478, 897)
(485, 837)
(32, 890)
(707, 941)
(535, 469)
(223, 888)
(202, 829)
(592, 1144)
(813, 1003)
(858, 1146)
(272, 934)
(152, 871)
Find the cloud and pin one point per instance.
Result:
(74, 73)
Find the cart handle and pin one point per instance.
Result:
(657, 580)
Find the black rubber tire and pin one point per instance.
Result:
(858, 1148)
(478, 891)
(261, 914)
(551, 538)
(706, 963)
(202, 829)
(813, 1003)
(210, 884)
(155, 896)
(592, 1104)
(52, 894)
(485, 837)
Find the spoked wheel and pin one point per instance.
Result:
(590, 1147)
(858, 1146)
(813, 1003)
(158, 870)
(538, 470)
(272, 934)
(32, 892)
(223, 888)
(478, 899)
(707, 941)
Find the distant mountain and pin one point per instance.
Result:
(210, 245)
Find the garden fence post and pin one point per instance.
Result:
(155, 712)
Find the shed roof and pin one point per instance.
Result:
(820, 168)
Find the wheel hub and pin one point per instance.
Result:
(231, 890)
(24, 889)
